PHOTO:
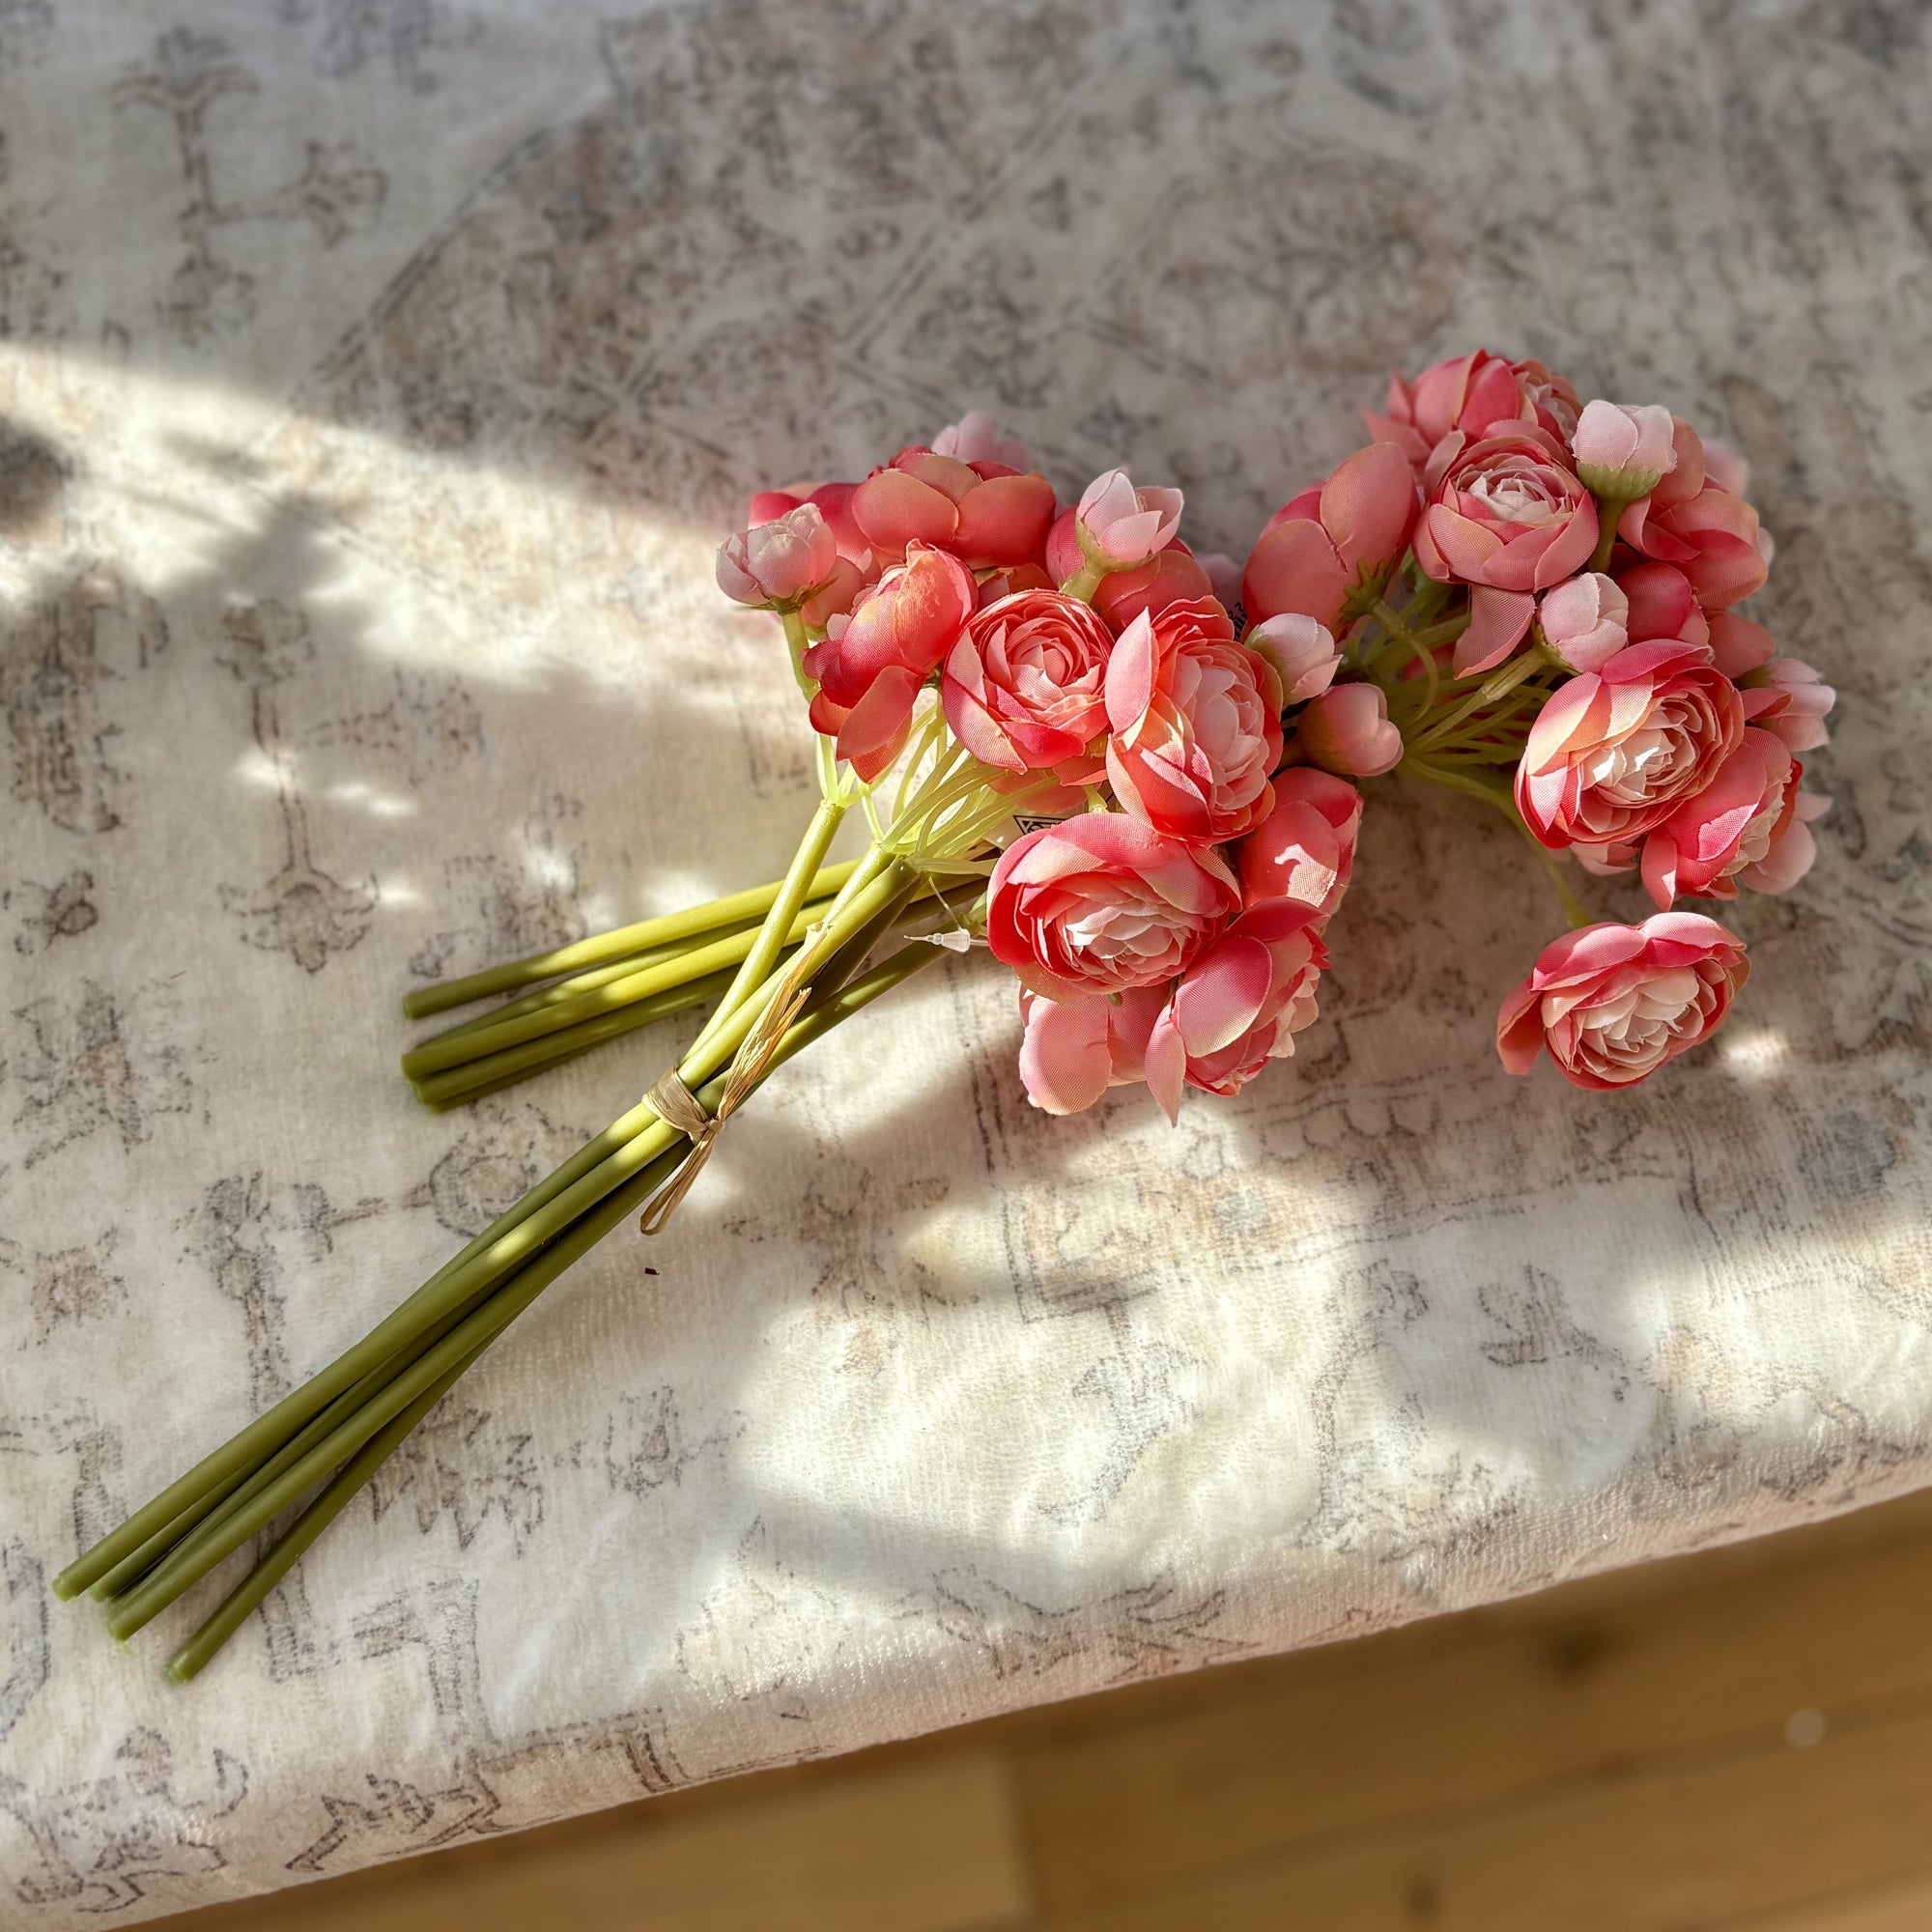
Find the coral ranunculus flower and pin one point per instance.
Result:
(1196, 723)
(1021, 688)
(1613, 1003)
(1239, 1005)
(1305, 849)
(1103, 903)
(1614, 751)
(1509, 513)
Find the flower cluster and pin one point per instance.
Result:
(1510, 592)
(1540, 599)
(1159, 883)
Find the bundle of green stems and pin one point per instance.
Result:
(811, 937)
(599, 988)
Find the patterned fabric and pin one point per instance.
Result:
(374, 379)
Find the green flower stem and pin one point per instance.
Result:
(674, 977)
(550, 1207)
(1609, 512)
(1489, 694)
(618, 944)
(492, 1071)
(470, 1095)
(241, 1601)
(598, 976)
(796, 643)
(650, 986)
(165, 1553)
(777, 931)
(1084, 582)
(449, 1360)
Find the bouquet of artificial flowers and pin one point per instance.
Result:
(1133, 775)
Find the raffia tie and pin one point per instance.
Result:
(677, 1106)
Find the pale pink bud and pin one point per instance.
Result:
(1725, 467)
(975, 438)
(1347, 731)
(1585, 621)
(1302, 652)
(1120, 526)
(779, 564)
(1621, 450)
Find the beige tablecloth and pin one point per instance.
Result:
(375, 377)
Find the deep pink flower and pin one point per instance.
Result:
(1119, 526)
(1195, 724)
(1613, 1003)
(1509, 513)
(1622, 450)
(982, 512)
(773, 565)
(1348, 730)
(1305, 849)
(1614, 751)
(1783, 694)
(1585, 621)
(1021, 688)
(1333, 544)
(1302, 652)
(1237, 1004)
(1103, 903)
(1174, 577)
(836, 596)
(1726, 828)
(872, 663)
(1471, 396)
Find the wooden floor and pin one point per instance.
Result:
(1741, 1739)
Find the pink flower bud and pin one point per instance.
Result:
(1622, 450)
(1585, 621)
(1120, 527)
(1302, 652)
(975, 438)
(1347, 731)
(774, 564)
